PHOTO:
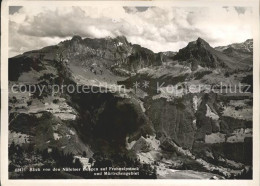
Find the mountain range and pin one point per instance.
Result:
(156, 123)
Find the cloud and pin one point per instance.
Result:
(156, 28)
(14, 9)
(135, 9)
(240, 10)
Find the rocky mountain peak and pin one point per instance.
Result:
(122, 39)
(199, 43)
(249, 41)
(199, 50)
(202, 42)
(76, 38)
(206, 56)
(108, 52)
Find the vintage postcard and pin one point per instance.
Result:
(130, 92)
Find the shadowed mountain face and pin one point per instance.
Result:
(152, 122)
(202, 52)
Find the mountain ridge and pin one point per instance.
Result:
(207, 56)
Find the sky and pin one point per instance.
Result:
(156, 28)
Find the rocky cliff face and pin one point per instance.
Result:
(110, 52)
(164, 121)
(173, 120)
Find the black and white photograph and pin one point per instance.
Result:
(128, 91)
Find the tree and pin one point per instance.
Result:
(78, 164)
(12, 148)
(29, 103)
(45, 154)
(227, 74)
(90, 160)
(11, 167)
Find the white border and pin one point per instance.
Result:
(184, 3)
